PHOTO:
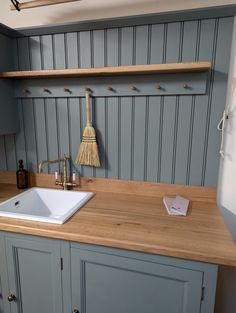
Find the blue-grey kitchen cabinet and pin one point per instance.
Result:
(34, 275)
(114, 281)
(9, 122)
(43, 275)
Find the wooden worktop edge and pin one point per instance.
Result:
(120, 244)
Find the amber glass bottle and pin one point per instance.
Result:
(21, 176)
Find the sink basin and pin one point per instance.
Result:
(44, 205)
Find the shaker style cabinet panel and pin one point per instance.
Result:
(110, 283)
(4, 304)
(1, 297)
(1, 274)
(43, 275)
(1, 290)
(8, 108)
(34, 274)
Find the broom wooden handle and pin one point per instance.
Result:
(88, 112)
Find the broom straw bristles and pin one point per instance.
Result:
(88, 151)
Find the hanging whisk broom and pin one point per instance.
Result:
(88, 150)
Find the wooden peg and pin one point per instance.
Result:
(67, 90)
(47, 90)
(110, 88)
(88, 89)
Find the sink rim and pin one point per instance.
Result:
(61, 219)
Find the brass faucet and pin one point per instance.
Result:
(65, 183)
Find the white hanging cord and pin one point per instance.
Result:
(221, 127)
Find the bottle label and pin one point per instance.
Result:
(22, 181)
(22, 178)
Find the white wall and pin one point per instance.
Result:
(226, 289)
(226, 184)
(95, 9)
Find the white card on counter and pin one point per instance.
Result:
(176, 206)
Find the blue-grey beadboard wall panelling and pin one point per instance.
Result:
(171, 139)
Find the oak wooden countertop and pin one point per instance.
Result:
(140, 223)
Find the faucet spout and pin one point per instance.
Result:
(64, 183)
(41, 164)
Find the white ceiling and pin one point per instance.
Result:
(95, 9)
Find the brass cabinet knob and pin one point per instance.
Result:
(11, 297)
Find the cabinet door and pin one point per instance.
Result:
(4, 305)
(1, 272)
(1, 297)
(34, 273)
(112, 284)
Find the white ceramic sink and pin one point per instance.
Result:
(44, 205)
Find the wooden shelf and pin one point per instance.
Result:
(112, 71)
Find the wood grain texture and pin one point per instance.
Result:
(118, 186)
(112, 70)
(138, 221)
